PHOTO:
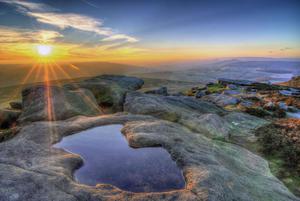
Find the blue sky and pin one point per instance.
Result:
(163, 25)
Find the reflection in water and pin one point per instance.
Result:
(108, 159)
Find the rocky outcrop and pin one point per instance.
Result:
(249, 84)
(221, 100)
(56, 103)
(109, 90)
(168, 107)
(290, 92)
(255, 98)
(160, 91)
(198, 115)
(31, 169)
(225, 81)
(8, 117)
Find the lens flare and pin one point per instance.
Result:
(44, 50)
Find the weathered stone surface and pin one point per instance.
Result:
(246, 103)
(221, 99)
(56, 103)
(168, 106)
(8, 117)
(109, 90)
(185, 110)
(17, 105)
(211, 125)
(243, 126)
(160, 91)
(31, 169)
(197, 115)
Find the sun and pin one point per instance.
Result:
(44, 50)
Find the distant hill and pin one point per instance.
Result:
(294, 82)
(263, 71)
(15, 74)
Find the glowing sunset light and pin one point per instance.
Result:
(44, 50)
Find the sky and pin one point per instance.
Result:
(152, 31)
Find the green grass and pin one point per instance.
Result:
(290, 177)
(215, 88)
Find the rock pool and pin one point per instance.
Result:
(109, 159)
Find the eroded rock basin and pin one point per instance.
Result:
(108, 159)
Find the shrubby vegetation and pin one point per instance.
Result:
(283, 139)
(280, 144)
(215, 88)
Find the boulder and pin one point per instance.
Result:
(109, 90)
(200, 94)
(232, 86)
(56, 103)
(231, 92)
(283, 106)
(160, 91)
(246, 103)
(221, 99)
(8, 117)
(17, 105)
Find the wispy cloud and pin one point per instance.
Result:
(120, 37)
(14, 35)
(76, 21)
(48, 15)
(24, 6)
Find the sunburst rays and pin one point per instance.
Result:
(48, 73)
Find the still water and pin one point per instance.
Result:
(108, 159)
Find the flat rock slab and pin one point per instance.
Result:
(31, 169)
